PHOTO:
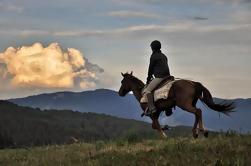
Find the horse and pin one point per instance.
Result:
(183, 94)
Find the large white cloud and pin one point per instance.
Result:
(37, 66)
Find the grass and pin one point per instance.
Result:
(216, 150)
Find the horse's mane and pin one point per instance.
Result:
(136, 80)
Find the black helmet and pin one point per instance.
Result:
(156, 45)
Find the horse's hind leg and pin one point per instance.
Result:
(197, 112)
(198, 120)
(201, 126)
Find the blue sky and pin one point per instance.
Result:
(204, 40)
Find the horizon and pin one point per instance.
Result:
(46, 47)
(93, 90)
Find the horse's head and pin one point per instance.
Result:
(125, 84)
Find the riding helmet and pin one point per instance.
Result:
(156, 45)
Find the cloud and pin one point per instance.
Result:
(246, 1)
(175, 27)
(48, 67)
(200, 18)
(179, 27)
(11, 8)
(129, 13)
(182, 1)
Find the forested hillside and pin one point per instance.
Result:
(25, 126)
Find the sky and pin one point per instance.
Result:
(61, 45)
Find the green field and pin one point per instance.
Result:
(222, 149)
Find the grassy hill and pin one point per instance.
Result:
(32, 136)
(222, 149)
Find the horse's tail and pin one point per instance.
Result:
(206, 97)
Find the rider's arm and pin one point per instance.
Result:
(150, 69)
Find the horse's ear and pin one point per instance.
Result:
(122, 74)
(131, 72)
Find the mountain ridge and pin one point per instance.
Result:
(105, 89)
(109, 102)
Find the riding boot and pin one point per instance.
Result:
(169, 112)
(151, 107)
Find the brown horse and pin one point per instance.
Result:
(183, 93)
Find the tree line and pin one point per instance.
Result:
(26, 126)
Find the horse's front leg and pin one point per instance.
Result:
(156, 125)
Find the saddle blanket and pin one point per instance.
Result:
(160, 93)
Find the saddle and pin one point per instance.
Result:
(161, 91)
(165, 81)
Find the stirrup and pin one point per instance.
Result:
(147, 112)
(150, 111)
(144, 112)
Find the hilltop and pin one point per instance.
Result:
(223, 149)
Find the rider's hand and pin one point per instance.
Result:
(148, 80)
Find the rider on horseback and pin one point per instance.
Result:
(159, 68)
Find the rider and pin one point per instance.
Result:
(159, 68)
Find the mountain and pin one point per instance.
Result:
(98, 101)
(108, 102)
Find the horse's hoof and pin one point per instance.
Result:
(164, 136)
(206, 134)
(195, 136)
(195, 133)
(166, 127)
